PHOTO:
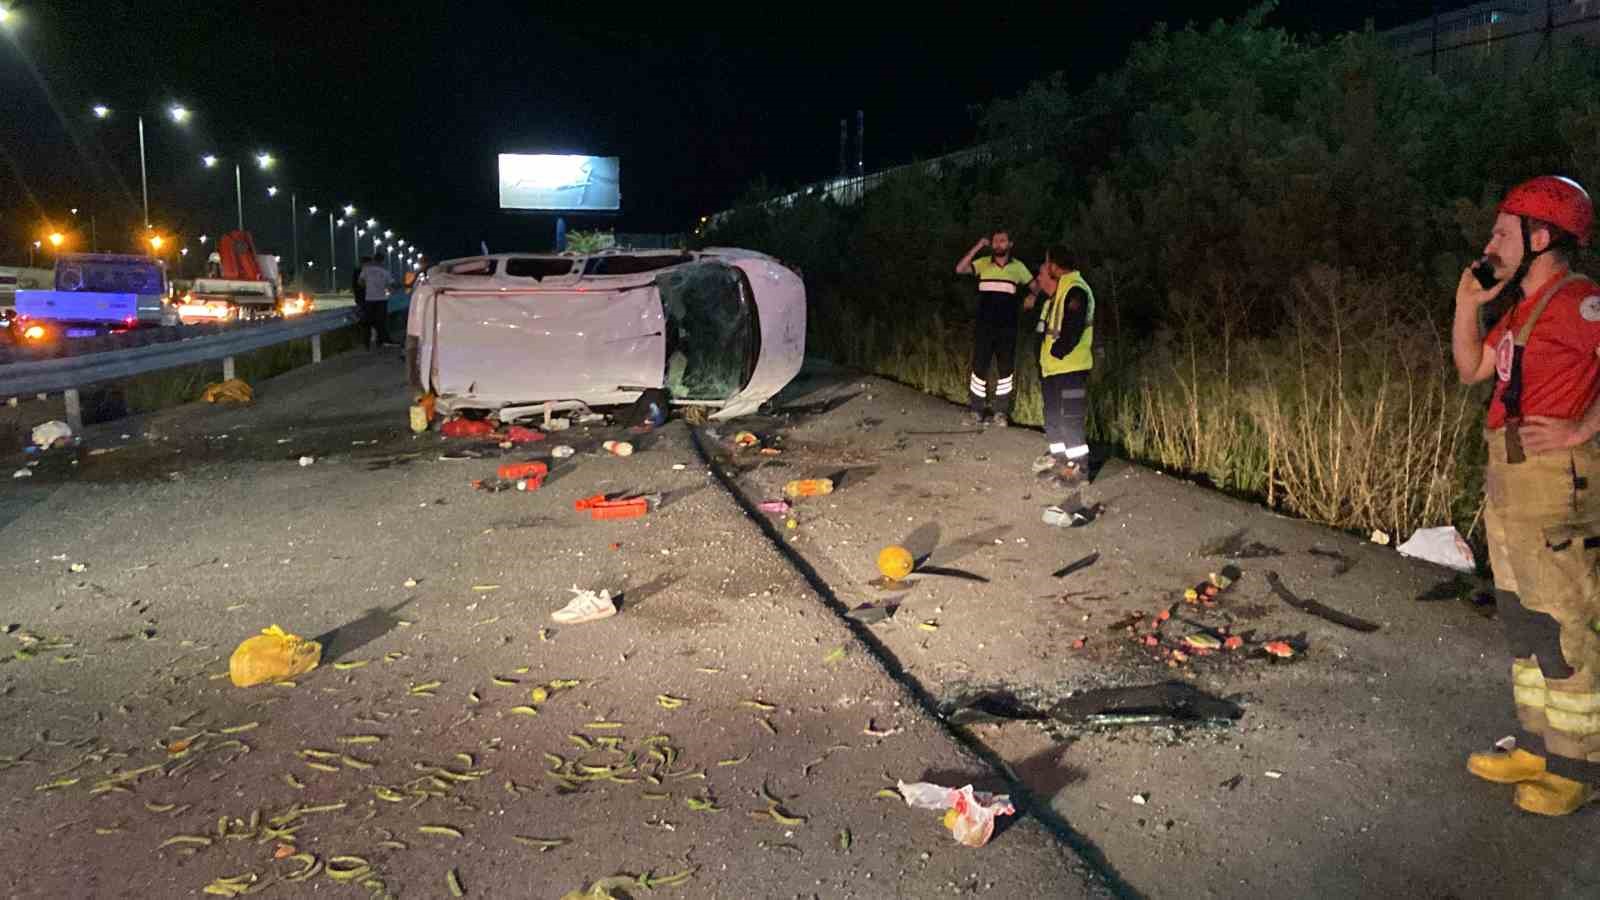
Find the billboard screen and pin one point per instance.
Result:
(559, 183)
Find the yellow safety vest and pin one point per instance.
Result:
(1081, 359)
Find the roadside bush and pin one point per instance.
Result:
(1273, 228)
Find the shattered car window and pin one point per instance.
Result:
(713, 340)
(473, 267)
(536, 267)
(120, 277)
(634, 265)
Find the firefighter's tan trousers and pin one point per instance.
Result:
(1543, 523)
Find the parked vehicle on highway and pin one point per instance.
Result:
(244, 285)
(517, 333)
(94, 294)
(21, 278)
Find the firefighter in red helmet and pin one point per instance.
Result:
(1542, 484)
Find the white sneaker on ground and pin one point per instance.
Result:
(586, 606)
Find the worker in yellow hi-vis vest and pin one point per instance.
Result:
(1066, 354)
(1542, 484)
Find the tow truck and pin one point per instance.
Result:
(241, 284)
(94, 294)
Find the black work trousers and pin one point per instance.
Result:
(375, 314)
(1066, 415)
(994, 338)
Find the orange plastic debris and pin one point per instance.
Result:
(1280, 649)
(517, 471)
(619, 509)
(1233, 643)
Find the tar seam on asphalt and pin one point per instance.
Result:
(1080, 845)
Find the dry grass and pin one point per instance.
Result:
(1349, 415)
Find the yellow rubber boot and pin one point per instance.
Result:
(1506, 768)
(1552, 795)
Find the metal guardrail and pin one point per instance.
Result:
(67, 375)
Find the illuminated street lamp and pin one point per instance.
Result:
(349, 210)
(264, 161)
(5, 15)
(312, 209)
(272, 190)
(372, 223)
(388, 234)
(178, 113)
(156, 241)
(56, 239)
(333, 250)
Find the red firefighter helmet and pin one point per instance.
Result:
(1551, 198)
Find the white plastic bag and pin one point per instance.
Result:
(47, 434)
(1442, 546)
(971, 813)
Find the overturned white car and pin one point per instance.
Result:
(519, 334)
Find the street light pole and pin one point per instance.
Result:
(294, 231)
(238, 193)
(333, 257)
(144, 177)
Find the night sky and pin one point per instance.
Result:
(401, 108)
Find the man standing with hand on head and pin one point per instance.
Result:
(1000, 278)
(1542, 484)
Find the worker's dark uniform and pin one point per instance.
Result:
(995, 334)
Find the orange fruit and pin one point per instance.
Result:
(895, 562)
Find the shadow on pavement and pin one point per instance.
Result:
(968, 545)
(845, 479)
(922, 542)
(632, 596)
(350, 637)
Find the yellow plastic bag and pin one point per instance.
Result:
(231, 391)
(272, 655)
